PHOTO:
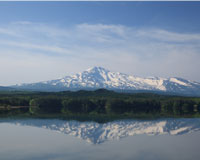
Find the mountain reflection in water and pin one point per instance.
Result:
(97, 133)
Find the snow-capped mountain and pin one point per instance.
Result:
(97, 133)
(98, 77)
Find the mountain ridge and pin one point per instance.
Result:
(99, 77)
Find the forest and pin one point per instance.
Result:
(98, 103)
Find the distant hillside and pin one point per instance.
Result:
(6, 88)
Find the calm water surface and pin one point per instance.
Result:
(166, 139)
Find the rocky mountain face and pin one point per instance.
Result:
(98, 77)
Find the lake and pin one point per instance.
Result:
(52, 139)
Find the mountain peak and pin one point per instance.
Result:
(97, 69)
(99, 77)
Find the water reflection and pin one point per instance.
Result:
(96, 133)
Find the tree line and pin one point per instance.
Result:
(167, 107)
(100, 102)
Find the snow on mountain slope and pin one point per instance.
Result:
(96, 133)
(98, 77)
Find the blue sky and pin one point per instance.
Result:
(48, 40)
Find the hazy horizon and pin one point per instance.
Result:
(47, 40)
